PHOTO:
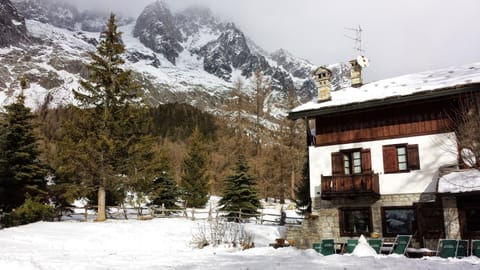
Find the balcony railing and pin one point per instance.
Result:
(357, 185)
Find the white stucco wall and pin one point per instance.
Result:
(434, 151)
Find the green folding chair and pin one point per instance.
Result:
(351, 244)
(447, 248)
(401, 244)
(317, 247)
(325, 247)
(376, 244)
(475, 248)
(462, 248)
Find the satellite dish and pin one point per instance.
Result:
(468, 157)
(362, 61)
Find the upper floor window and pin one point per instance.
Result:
(400, 158)
(353, 161)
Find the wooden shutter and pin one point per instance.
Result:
(366, 160)
(390, 163)
(413, 157)
(337, 163)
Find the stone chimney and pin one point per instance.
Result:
(356, 73)
(323, 80)
(356, 70)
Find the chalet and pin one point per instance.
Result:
(384, 155)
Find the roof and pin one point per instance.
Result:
(394, 90)
(460, 182)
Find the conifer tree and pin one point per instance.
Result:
(302, 191)
(22, 174)
(194, 180)
(165, 192)
(240, 192)
(105, 98)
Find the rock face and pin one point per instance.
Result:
(156, 29)
(12, 25)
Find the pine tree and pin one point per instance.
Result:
(22, 174)
(105, 97)
(240, 192)
(303, 200)
(165, 192)
(194, 183)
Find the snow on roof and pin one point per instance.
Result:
(459, 182)
(400, 86)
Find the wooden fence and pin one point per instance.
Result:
(119, 212)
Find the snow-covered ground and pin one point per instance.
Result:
(166, 244)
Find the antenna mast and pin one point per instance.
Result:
(357, 38)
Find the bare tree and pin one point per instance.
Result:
(466, 123)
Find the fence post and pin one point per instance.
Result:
(193, 213)
(261, 217)
(86, 213)
(240, 215)
(210, 213)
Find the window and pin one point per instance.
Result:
(398, 220)
(348, 162)
(400, 158)
(355, 221)
(469, 214)
(352, 162)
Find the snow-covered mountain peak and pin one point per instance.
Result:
(156, 28)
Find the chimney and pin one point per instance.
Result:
(356, 73)
(323, 80)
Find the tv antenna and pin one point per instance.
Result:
(357, 38)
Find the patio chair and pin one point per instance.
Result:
(462, 248)
(325, 247)
(376, 244)
(475, 248)
(351, 244)
(401, 244)
(447, 248)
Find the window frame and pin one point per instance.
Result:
(351, 164)
(342, 220)
(385, 225)
(391, 158)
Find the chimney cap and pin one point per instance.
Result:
(322, 69)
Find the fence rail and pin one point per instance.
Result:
(119, 212)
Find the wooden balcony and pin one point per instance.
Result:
(358, 185)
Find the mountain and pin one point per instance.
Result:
(189, 57)
(12, 25)
(156, 29)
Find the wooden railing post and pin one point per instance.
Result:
(210, 213)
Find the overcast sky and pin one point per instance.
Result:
(398, 37)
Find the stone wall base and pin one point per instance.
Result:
(324, 221)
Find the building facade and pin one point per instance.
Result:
(378, 153)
